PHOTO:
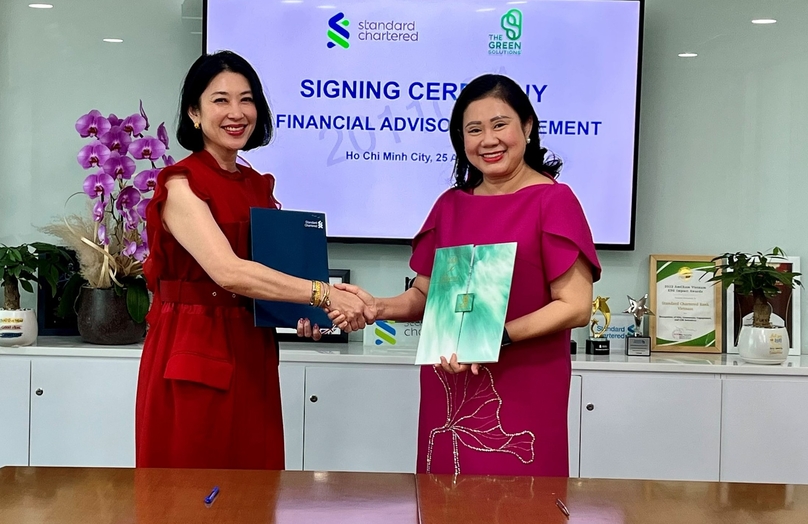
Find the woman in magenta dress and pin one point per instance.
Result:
(208, 394)
(507, 418)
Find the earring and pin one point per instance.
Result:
(528, 139)
(196, 125)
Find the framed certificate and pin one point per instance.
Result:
(687, 308)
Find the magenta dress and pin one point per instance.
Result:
(511, 419)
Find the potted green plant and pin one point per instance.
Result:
(22, 266)
(755, 275)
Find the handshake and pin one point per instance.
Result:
(351, 309)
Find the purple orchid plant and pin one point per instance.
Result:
(119, 192)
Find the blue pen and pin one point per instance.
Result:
(213, 494)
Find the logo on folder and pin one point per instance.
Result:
(337, 33)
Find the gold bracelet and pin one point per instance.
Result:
(315, 293)
(327, 296)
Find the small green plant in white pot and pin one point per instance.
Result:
(755, 275)
(21, 266)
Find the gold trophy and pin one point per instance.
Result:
(597, 343)
(637, 344)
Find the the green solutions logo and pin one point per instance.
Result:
(507, 43)
(338, 35)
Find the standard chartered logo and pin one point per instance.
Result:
(337, 32)
(512, 24)
(385, 332)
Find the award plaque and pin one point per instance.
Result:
(636, 344)
(597, 343)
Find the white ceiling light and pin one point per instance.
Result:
(688, 55)
(764, 21)
(113, 40)
(40, 6)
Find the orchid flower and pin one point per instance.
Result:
(114, 121)
(130, 247)
(134, 125)
(99, 184)
(146, 180)
(128, 198)
(116, 139)
(94, 154)
(131, 220)
(92, 124)
(99, 208)
(141, 252)
(119, 167)
(102, 235)
(168, 160)
(147, 148)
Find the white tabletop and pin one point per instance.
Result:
(356, 353)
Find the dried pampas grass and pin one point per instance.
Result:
(91, 261)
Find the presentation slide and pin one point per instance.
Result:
(361, 94)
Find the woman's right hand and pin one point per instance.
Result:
(350, 306)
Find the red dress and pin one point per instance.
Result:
(208, 392)
(511, 419)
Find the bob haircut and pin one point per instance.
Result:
(202, 72)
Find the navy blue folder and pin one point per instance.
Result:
(293, 242)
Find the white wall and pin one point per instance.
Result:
(723, 156)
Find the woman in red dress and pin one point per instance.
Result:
(208, 392)
(509, 417)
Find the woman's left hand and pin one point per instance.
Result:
(306, 330)
(452, 367)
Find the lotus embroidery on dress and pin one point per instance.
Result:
(472, 417)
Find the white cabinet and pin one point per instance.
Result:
(650, 426)
(15, 376)
(574, 425)
(764, 430)
(293, 388)
(361, 418)
(83, 411)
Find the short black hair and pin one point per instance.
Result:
(202, 72)
(498, 86)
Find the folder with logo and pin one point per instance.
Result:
(467, 303)
(292, 242)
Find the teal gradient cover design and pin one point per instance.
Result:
(484, 272)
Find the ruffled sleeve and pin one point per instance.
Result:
(425, 243)
(269, 182)
(565, 234)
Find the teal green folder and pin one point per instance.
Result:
(467, 303)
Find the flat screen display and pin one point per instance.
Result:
(361, 93)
